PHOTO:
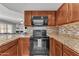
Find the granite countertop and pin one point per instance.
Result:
(5, 38)
(71, 42)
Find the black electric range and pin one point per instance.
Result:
(39, 43)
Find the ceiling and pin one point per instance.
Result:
(21, 7)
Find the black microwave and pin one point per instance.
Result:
(39, 20)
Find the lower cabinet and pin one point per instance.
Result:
(58, 51)
(69, 52)
(51, 47)
(10, 52)
(23, 47)
(18, 47)
(9, 49)
(57, 48)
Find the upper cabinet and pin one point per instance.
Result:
(27, 18)
(67, 13)
(50, 14)
(73, 12)
(40, 13)
(51, 19)
(62, 15)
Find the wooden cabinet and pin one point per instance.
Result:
(69, 52)
(58, 48)
(62, 50)
(40, 13)
(51, 19)
(51, 47)
(55, 48)
(9, 49)
(73, 9)
(50, 14)
(27, 18)
(69, 12)
(62, 15)
(23, 47)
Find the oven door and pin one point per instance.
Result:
(40, 44)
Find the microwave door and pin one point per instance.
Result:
(38, 22)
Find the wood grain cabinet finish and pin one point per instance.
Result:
(40, 13)
(62, 15)
(51, 19)
(51, 47)
(67, 13)
(9, 49)
(27, 18)
(73, 9)
(58, 48)
(50, 14)
(23, 47)
(55, 48)
(69, 52)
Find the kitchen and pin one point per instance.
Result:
(33, 29)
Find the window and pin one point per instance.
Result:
(2, 28)
(9, 28)
(5, 28)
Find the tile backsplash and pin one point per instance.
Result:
(71, 29)
(49, 29)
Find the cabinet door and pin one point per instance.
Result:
(62, 15)
(23, 46)
(11, 51)
(69, 52)
(26, 47)
(58, 51)
(58, 48)
(51, 47)
(27, 18)
(73, 12)
(51, 20)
